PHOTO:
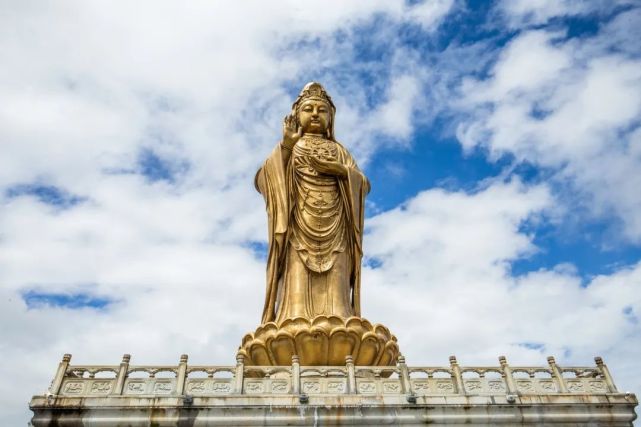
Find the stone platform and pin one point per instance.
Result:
(241, 395)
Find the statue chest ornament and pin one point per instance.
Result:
(320, 148)
(317, 147)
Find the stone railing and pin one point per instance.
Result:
(196, 381)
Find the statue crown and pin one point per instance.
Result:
(313, 90)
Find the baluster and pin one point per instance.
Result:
(507, 374)
(405, 375)
(60, 374)
(351, 375)
(182, 374)
(458, 377)
(558, 376)
(122, 374)
(606, 374)
(295, 374)
(239, 375)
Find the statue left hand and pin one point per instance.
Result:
(328, 167)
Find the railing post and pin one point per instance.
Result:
(239, 375)
(606, 374)
(295, 374)
(405, 375)
(351, 375)
(507, 374)
(54, 388)
(181, 375)
(458, 377)
(558, 376)
(122, 374)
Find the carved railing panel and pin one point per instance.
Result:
(86, 387)
(208, 386)
(182, 380)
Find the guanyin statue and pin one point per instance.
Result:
(315, 195)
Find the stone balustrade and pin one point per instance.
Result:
(196, 380)
(205, 396)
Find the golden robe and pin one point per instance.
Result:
(315, 227)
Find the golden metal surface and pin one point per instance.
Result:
(321, 341)
(315, 195)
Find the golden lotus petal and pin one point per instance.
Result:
(369, 350)
(382, 332)
(342, 343)
(282, 347)
(258, 353)
(246, 340)
(389, 354)
(312, 347)
(323, 340)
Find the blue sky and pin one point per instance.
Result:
(502, 140)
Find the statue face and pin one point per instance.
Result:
(314, 116)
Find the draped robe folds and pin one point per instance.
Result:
(276, 181)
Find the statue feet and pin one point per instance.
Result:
(321, 341)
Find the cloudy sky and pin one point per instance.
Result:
(502, 140)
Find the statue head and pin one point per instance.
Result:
(314, 110)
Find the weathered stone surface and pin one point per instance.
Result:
(569, 410)
(81, 396)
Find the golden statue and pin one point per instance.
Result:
(315, 195)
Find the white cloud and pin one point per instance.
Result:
(481, 229)
(394, 118)
(429, 13)
(445, 286)
(528, 63)
(572, 105)
(522, 13)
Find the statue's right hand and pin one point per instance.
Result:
(291, 132)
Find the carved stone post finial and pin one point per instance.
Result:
(606, 374)
(507, 375)
(60, 374)
(405, 375)
(557, 374)
(239, 374)
(458, 376)
(351, 374)
(295, 374)
(122, 375)
(181, 374)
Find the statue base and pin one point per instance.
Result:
(321, 341)
(198, 396)
(452, 411)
